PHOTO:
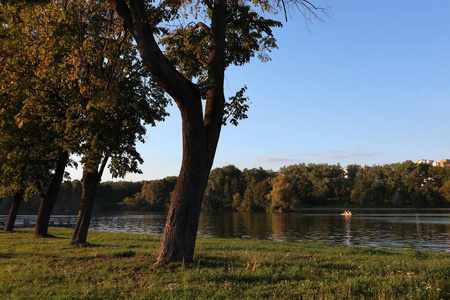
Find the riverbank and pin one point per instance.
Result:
(120, 265)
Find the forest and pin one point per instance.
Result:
(292, 187)
(307, 185)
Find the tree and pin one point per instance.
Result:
(116, 98)
(156, 194)
(256, 196)
(32, 152)
(283, 197)
(229, 32)
(445, 190)
(302, 181)
(13, 212)
(80, 77)
(223, 184)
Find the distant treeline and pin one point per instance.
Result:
(109, 197)
(392, 185)
(292, 187)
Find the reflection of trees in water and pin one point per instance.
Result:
(153, 223)
(218, 224)
(447, 232)
(283, 226)
(372, 230)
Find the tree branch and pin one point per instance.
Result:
(202, 26)
(102, 166)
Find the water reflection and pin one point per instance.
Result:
(420, 231)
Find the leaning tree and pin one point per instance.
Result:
(199, 40)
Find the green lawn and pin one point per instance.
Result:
(120, 266)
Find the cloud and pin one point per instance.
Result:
(345, 154)
(367, 154)
(338, 154)
(223, 162)
(278, 160)
(338, 151)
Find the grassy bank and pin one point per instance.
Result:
(120, 266)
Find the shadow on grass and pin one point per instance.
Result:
(89, 245)
(49, 236)
(6, 255)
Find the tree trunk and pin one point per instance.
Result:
(182, 221)
(89, 184)
(13, 212)
(200, 135)
(48, 199)
(200, 139)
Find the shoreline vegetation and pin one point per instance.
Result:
(292, 188)
(121, 266)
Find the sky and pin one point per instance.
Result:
(370, 85)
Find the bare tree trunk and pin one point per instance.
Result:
(13, 212)
(89, 184)
(182, 221)
(48, 199)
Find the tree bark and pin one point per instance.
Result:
(48, 199)
(182, 221)
(199, 147)
(200, 134)
(89, 184)
(13, 212)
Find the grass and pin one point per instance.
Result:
(120, 266)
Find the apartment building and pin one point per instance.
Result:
(441, 163)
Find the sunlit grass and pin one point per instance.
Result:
(121, 266)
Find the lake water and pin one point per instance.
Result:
(394, 229)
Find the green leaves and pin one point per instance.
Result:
(71, 81)
(236, 108)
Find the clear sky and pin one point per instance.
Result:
(369, 85)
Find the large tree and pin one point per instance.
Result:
(191, 67)
(33, 154)
(79, 88)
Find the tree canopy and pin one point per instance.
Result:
(72, 83)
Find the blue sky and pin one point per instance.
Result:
(370, 85)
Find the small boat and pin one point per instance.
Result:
(346, 213)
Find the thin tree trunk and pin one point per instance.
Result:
(89, 185)
(13, 212)
(48, 199)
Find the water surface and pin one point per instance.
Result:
(395, 229)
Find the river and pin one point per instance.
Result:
(394, 229)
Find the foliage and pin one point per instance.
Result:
(154, 195)
(283, 197)
(397, 199)
(109, 197)
(222, 268)
(232, 189)
(32, 119)
(223, 184)
(445, 190)
(72, 82)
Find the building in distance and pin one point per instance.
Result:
(441, 163)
